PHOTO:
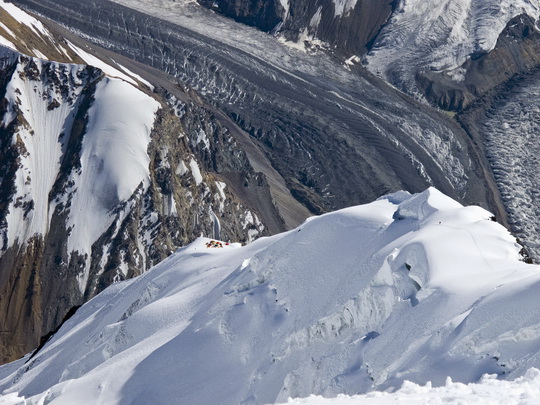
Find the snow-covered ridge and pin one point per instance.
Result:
(408, 287)
(440, 35)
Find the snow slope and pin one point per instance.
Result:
(114, 162)
(408, 287)
(113, 156)
(46, 96)
(440, 35)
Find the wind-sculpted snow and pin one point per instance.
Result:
(409, 287)
(306, 112)
(440, 35)
(489, 391)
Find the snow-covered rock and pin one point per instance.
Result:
(409, 287)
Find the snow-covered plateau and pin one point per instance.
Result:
(408, 288)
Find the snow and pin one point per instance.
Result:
(114, 159)
(7, 43)
(342, 7)
(409, 287)
(221, 189)
(40, 165)
(489, 391)
(135, 76)
(195, 171)
(7, 30)
(107, 69)
(220, 195)
(25, 19)
(181, 169)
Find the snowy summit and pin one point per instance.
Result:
(409, 287)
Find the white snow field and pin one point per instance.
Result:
(490, 391)
(409, 287)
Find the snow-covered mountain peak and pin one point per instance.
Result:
(421, 206)
(353, 300)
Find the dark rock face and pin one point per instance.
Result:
(346, 31)
(517, 52)
(349, 33)
(263, 14)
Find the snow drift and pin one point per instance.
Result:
(409, 287)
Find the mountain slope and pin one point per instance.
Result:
(303, 111)
(345, 27)
(435, 290)
(480, 60)
(103, 175)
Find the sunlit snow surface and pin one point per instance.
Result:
(523, 391)
(413, 288)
